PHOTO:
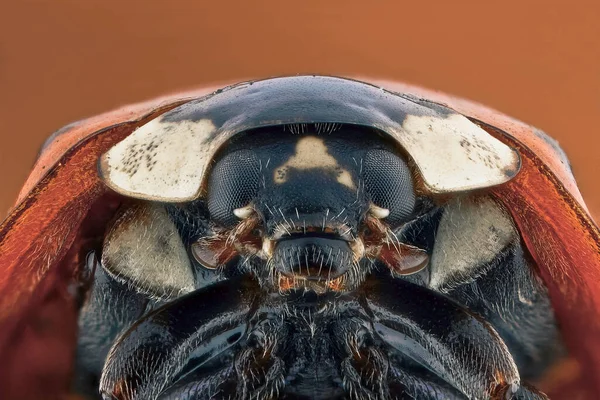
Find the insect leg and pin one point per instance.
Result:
(364, 370)
(440, 335)
(177, 338)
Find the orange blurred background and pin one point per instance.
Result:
(64, 60)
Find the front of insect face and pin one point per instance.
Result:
(264, 249)
(310, 206)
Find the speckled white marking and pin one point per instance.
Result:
(453, 154)
(144, 249)
(165, 161)
(471, 233)
(161, 161)
(311, 153)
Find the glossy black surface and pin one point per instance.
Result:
(391, 339)
(303, 99)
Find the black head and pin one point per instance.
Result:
(311, 201)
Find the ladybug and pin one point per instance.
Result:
(306, 237)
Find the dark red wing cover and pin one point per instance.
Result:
(564, 242)
(560, 235)
(39, 252)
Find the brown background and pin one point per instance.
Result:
(64, 60)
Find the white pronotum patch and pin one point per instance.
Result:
(311, 153)
(144, 249)
(165, 161)
(453, 154)
(471, 233)
(161, 161)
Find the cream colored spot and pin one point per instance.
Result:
(161, 161)
(379, 212)
(471, 234)
(244, 212)
(311, 153)
(453, 154)
(144, 249)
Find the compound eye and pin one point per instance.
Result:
(389, 185)
(233, 183)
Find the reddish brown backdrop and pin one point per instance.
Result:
(64, 60)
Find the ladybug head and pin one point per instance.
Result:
(310, 201)
(306, 179)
